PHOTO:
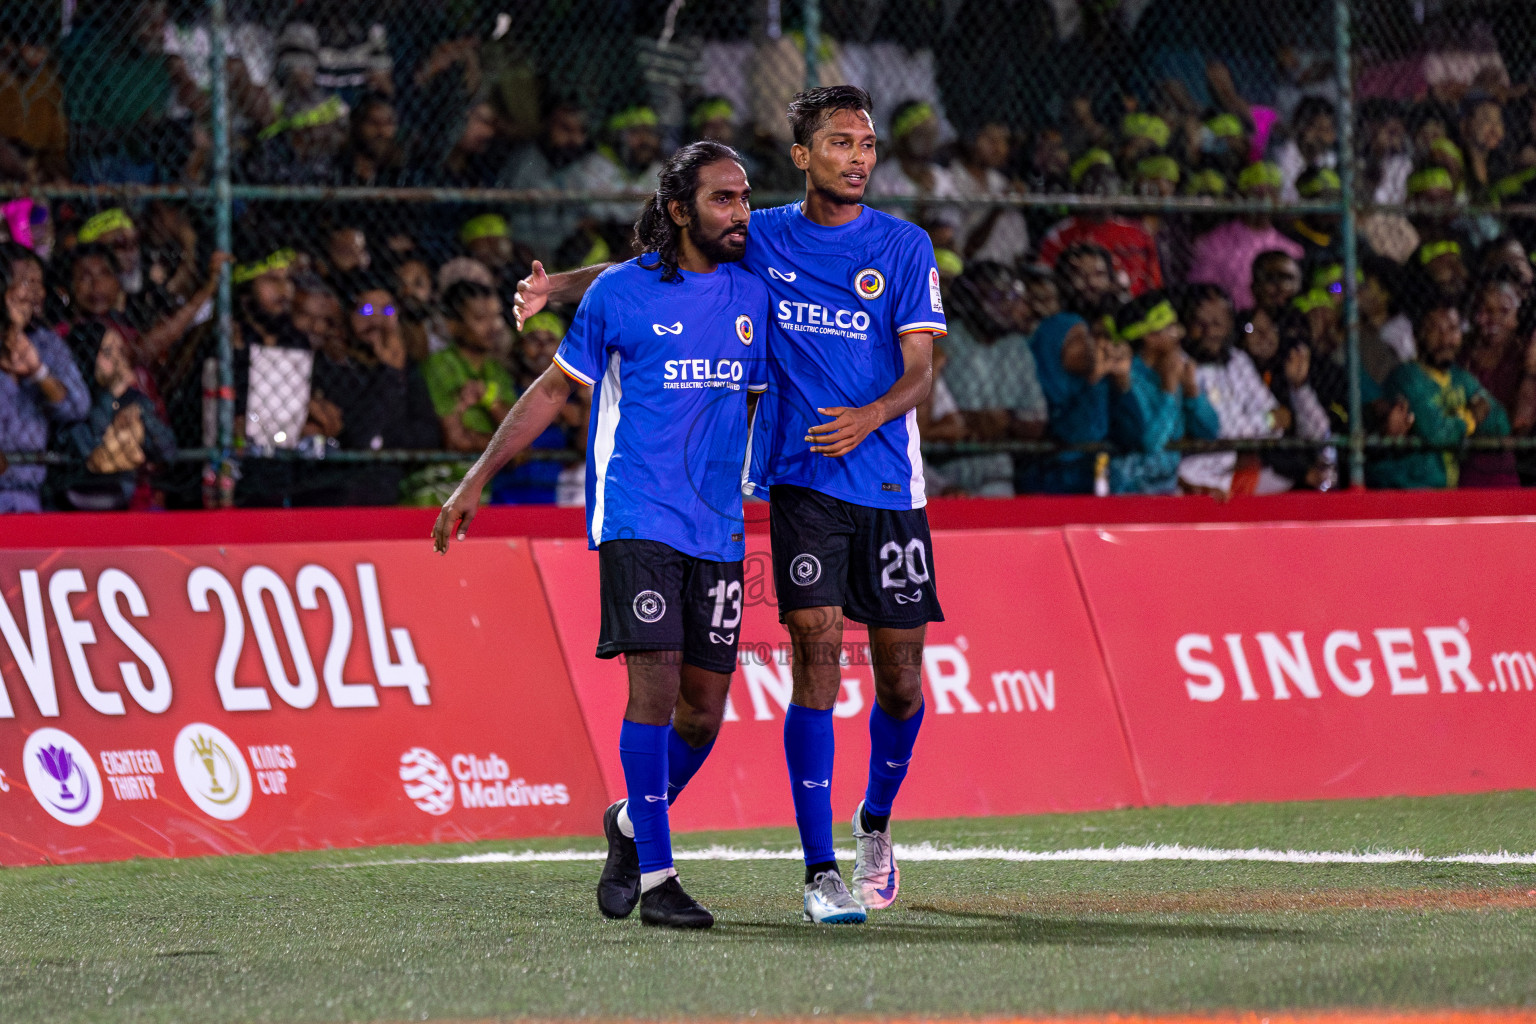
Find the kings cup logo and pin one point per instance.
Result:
(744, 329)
(426, 780)
(212, 770)
(62, 776)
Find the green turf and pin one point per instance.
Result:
(301, 938)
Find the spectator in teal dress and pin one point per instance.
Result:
(1077, 373)
(1164, 402)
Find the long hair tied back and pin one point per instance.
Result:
(655, 232)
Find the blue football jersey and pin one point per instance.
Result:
(670, 365)
(840, 300)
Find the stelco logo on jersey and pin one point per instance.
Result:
(704, 373)
(809, 317)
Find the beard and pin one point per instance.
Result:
(721, 248)
(266, 320)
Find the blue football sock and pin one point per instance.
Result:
(643, 752)
(808, 749)
(890, 751)
(683, 762)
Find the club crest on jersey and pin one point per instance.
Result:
(869, 283)
(649, 606)
(744, 329)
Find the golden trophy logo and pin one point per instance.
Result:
(212, 771)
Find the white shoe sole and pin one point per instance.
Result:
(845, 917)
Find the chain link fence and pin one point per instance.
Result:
(284, 276)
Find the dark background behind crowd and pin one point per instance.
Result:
(371, 323)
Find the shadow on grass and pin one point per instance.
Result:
(972, 928)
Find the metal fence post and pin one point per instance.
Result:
(223, 242)
(812, 43)
(1346, 86)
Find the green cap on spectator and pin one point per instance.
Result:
(1430, 179)
(1260, 174)
(711, 110)
(633, 117)
(104, 223)
(1448, 149)
(1225, 126)
(1088, 161)
(949, 261)
(1330, 277)
(1431, 251)
(910, 119)
(1512, 185)
(487, 225)
(1158, 317)
(329, 112)
(1208, 182)
(545, 321)
(1317, 182)
(1139, 125)
(1316, 298)
(1159, 168)
(280, 259)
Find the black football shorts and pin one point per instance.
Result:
(874, 563)
(655, 598)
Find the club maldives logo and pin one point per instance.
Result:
(426, 780)
(212, 770)
(744, 329)
(62, 776)
(869, 283)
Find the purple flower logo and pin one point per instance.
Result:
(60, 765)
(62, 777)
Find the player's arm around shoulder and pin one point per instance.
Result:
(915, 319)
(539, 288)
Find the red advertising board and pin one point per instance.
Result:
(1288, 662)
(160, 701)
(173, 702)
(1019, 715)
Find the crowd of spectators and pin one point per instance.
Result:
(368, 324)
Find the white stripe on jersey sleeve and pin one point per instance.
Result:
(915, 457)
(926, 325)
(568, 368)
(747, 486)
(603, 442)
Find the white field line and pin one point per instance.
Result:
(929, 852)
